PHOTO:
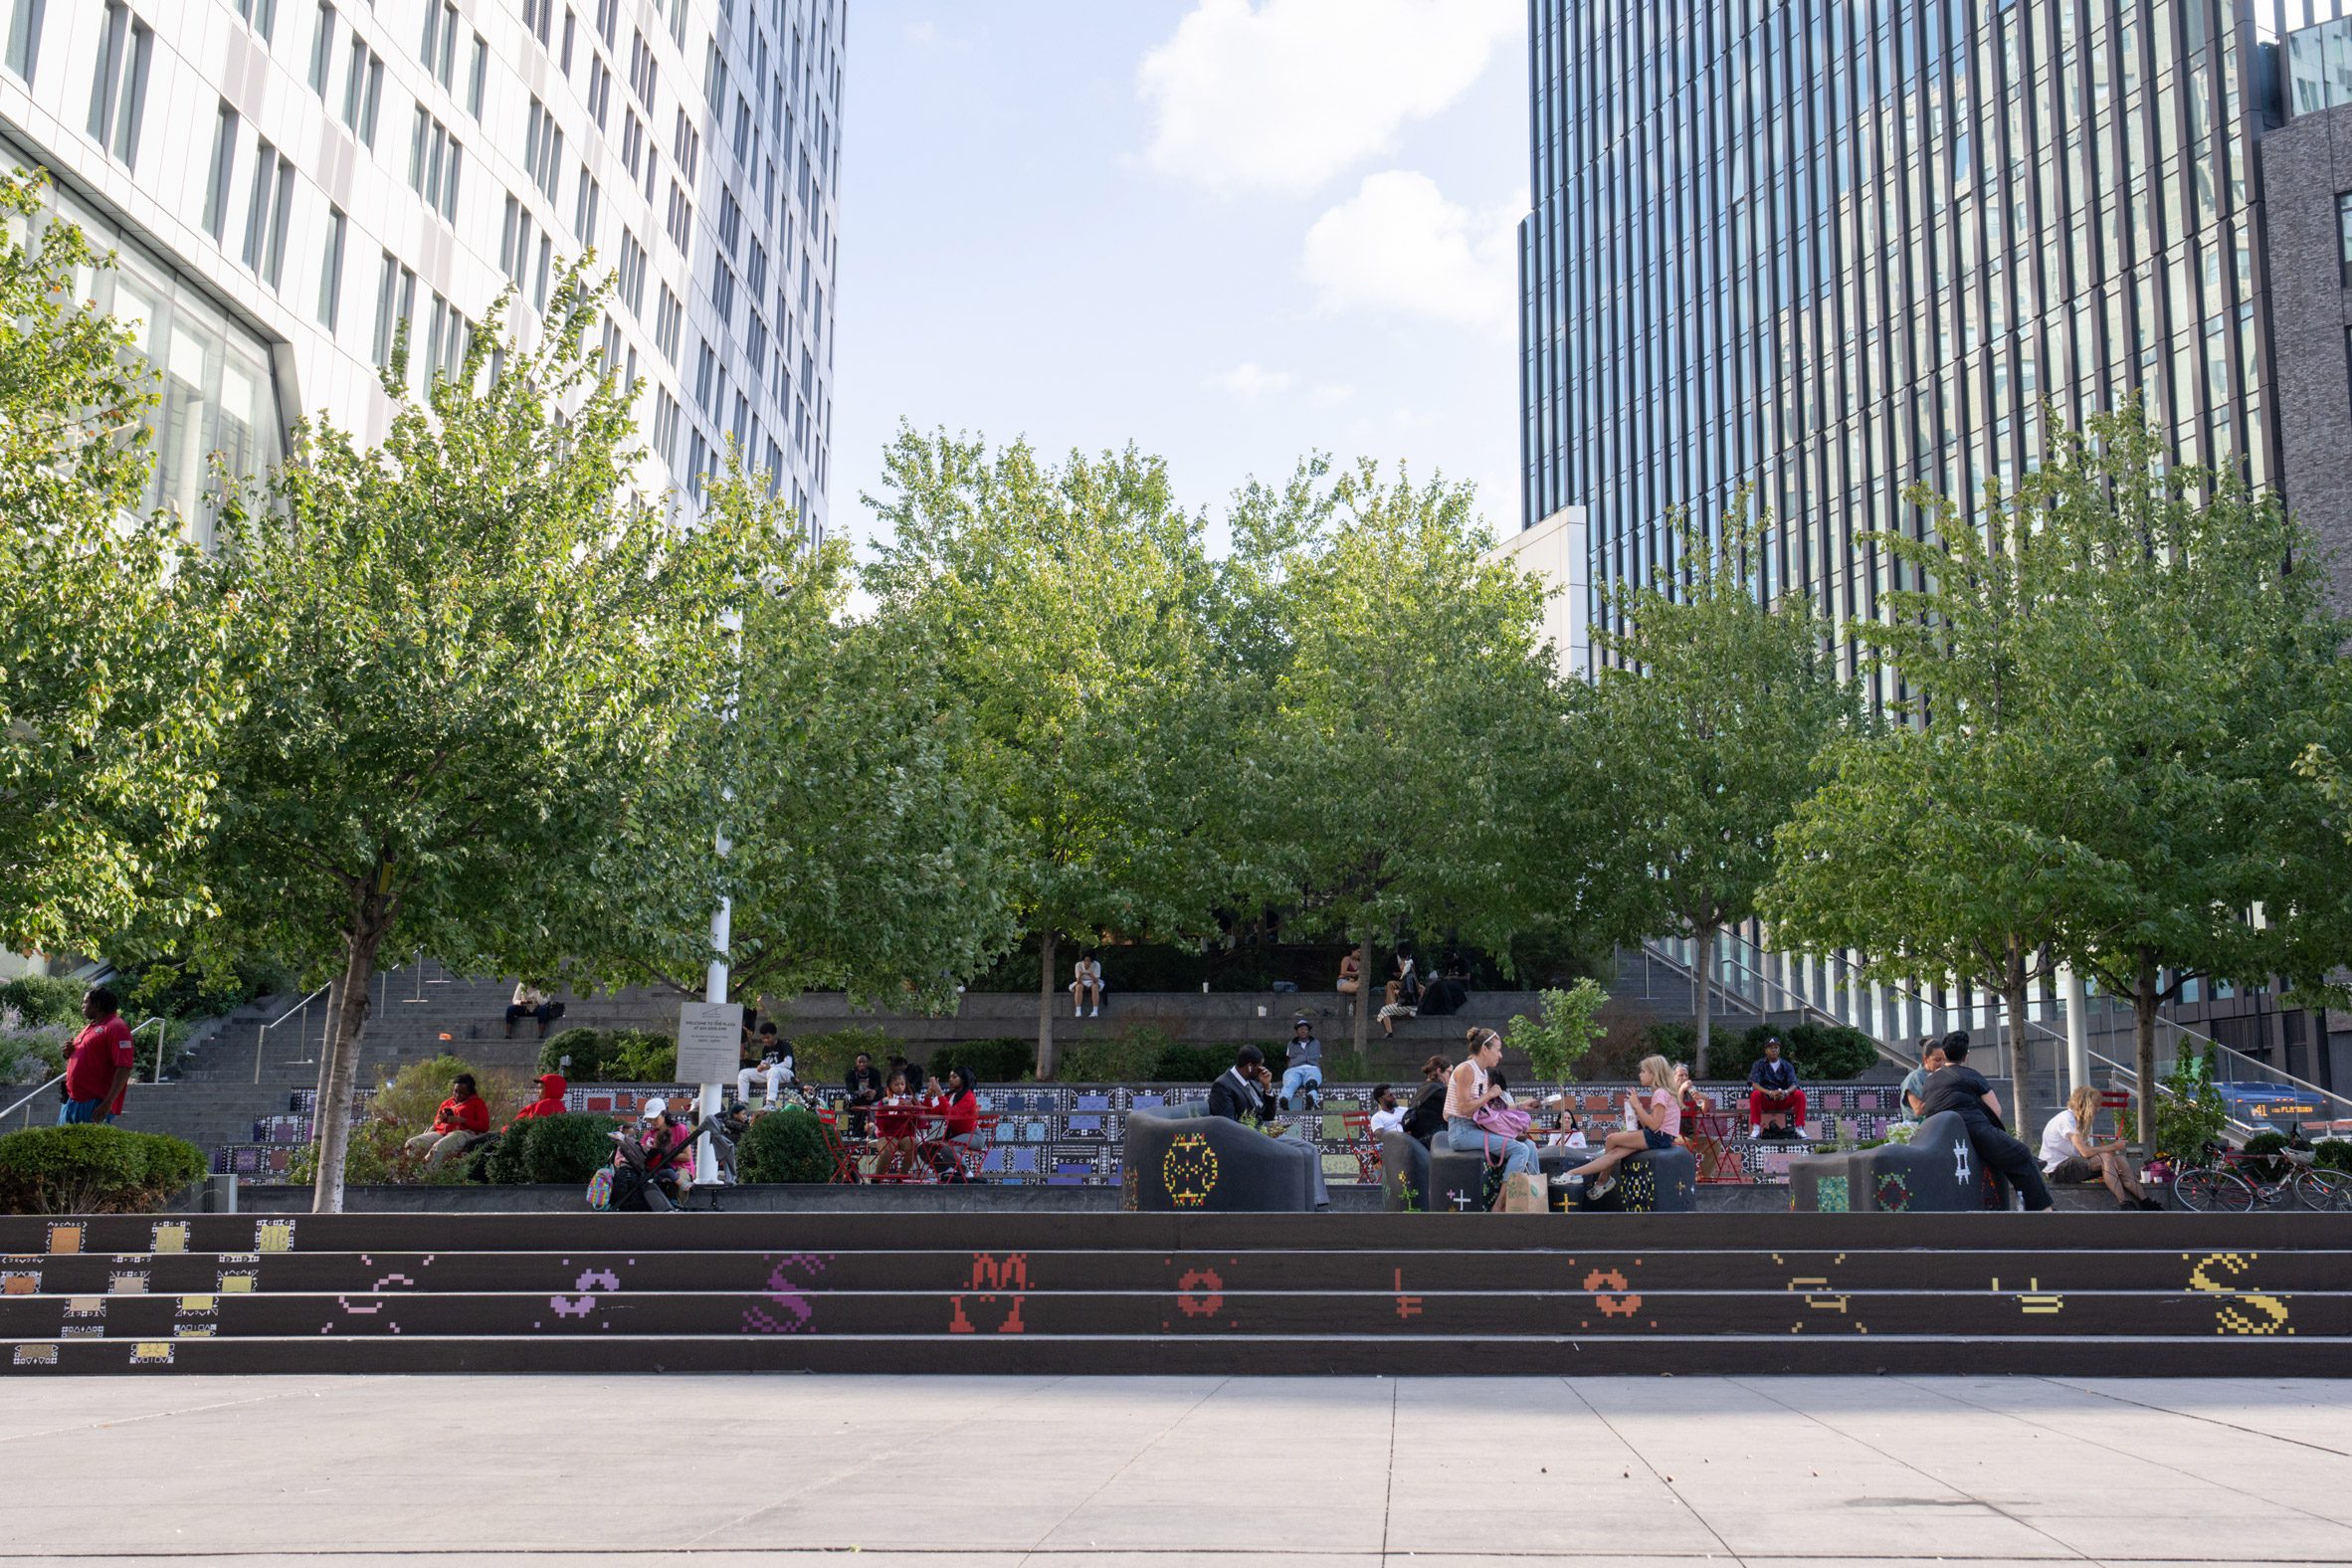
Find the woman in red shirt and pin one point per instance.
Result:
(894, 1129)
(959, 1107)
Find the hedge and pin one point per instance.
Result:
(610, 1056)
(1822, 1053)
(785, 1146)
(93, 1169)
(44, 999)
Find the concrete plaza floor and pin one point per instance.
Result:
(1151, 1473)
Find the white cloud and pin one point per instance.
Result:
(923, 32)
(1248, 383)
(1286, 94)
(1330, 394)
(1399, 247)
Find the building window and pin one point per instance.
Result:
(476, 77)
(23, 36)
(664, 425)
(571, 25)
(119, 96)
(631, 280)
(224, 172)
(685, 147)
(682, 218)
(396, 304)
(331, 271)
(265, 213)
(259, 15)
(536, 16)
(322, 48)
(600, 89)
(363, 91)
(546, 266)
(543, 149)
(723, 291)
(434, 160)
(667, 317)
(584, 211)
(608, 19)
(641, 79)
(515, 241)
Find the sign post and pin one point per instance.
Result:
(710, 1049)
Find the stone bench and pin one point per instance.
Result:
(1936, 1171)
(1179, 1158)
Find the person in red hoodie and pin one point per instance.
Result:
(958, 1105)
(462, 1119)
(549, 1103)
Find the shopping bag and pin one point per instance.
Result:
(1523, 1192)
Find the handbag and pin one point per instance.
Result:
(1504, 1121)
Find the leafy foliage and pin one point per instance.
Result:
(1822, 1053)
(93, 1170)
(113, 680)
(566, 1149)
(1559, 1037)
(999, 1060)
(785, 1146)
(611, 1056)
(2190, 1111)
(827, 1058)
(42, 999)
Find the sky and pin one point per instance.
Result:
(1231, 232)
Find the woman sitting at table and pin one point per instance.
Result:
(958, 1128)
(895, 1123)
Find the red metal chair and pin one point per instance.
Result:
(972, 1158)
(846, 1151)
(1363, 1145)
(1708, 1135)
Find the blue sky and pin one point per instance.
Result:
(1230, 231)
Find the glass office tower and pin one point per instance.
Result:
(1824, 249)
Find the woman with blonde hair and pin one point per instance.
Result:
(1657, 1123)
(2068, 1154)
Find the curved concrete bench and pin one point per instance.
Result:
(1935, 1172)
(1661, 1181)
(1181, 1158)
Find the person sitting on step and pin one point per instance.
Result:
(461, 1119)
(1773, 1095)
(1303, 1072)
(2069, 1156)
(1657, 1125)
(1960, 1088)
(1351, 978)
(533, 1002)
(1914, 1090)
(774, 1066)
(1087, 988)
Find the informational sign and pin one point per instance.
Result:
(710, 1041)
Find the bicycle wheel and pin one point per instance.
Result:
(2205, 1190)
(2330, 1191)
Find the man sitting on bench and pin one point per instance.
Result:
(1773, 1092)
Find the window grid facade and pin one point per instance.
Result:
(1821, 250)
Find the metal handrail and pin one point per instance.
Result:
(161, 1039)
(29, 1098)
(1796, 1003)
(261, 1035)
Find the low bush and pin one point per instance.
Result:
(826, 1057)
(44, 999)
(2332, 1154)
(1128, 1057)
(93, 1170)
(1822, 1053)
(785, 1146)
(565, 1149)
(2265, 1157)
(999, 1060)
(1181, 1064)
(31, 1053)
(610, 1056)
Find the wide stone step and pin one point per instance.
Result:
(2233, 1296)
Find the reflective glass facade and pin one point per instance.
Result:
(1823, 249)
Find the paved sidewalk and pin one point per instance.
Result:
(1146, 1472)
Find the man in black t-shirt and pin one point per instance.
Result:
(1958, 1087)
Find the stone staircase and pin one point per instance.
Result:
(2069, 1294)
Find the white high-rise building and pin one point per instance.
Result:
(285, 181)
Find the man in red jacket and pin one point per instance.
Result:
(462, 1119)
(550, 1100)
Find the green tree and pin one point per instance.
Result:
(1065, 605)
(485, 686)
(113, 682)
(862, 858)
(2189, 656)
(1564, 1032)
(1410, 719)
(1718, 699)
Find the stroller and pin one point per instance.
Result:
(640, 1180)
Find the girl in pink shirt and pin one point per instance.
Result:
(1657, 1118)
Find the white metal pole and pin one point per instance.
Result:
(715, 982)
(2077, 1027)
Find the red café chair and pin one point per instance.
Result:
(973, 1160)
(1363, 1145)
(846, 1151)
(1707, 1133)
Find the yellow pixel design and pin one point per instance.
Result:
(2229, 1319)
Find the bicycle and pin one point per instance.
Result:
(2229, 1183)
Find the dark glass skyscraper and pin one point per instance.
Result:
(1824, 249)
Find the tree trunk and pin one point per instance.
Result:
(1704, 969)
(2143, 1054)
(1045, 1006)
(1363, 999)
(2020, 1061)
(338, 1065)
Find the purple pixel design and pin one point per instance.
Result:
(786, 1294)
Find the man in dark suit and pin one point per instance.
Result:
(1958, 1087)
(1242, 1091)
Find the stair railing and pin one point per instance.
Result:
(163, 1040)
(302, 1029)
(22, 1104)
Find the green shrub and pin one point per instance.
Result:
(826, 1057)
(1180, 1063)
(33, 1054)
(1822, 1053)
(585, 1048)
(2190, 1111)
(44, 999)
(565, 1149)
(2332, 1154)
(611, 1056)
(999, 1060)
(93, 1170)
(1564, 1034)
(502, 1164)
(785, 1146)
(1128, 1057)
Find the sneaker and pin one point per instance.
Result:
(1097, 1013)
(1604, 1187)
(1755, 1133)
(1078, 1012)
